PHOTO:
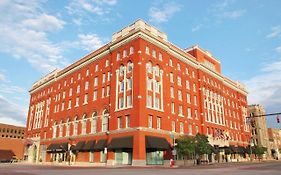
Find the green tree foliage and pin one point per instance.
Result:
(259, 151)
(202, 145)
(185, 145)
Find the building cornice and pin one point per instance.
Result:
(139, 32)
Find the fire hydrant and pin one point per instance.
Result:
(172, 163)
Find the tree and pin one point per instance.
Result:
(185, 146)
(259, 151)
(202, 144)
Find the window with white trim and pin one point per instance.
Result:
(181, 128)
(158, 123)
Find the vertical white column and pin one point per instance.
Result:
(153, 90)
(125, 87)
(116, 91)
(161, 84)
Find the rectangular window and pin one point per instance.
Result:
(94, 125)
(70, 92)
(119, 122)
(122, 86)
(181, 127)
(147, 50)
(86, 99)
(180, 110)
(77, 102)
(149, 84)
(195, 100)
(157, 103)
(124, 53)
(197, 129)
(121, 102)
(129, 101)
(187, 84)
(75, 128)
(91, 156)
(95, 96)
(173, 126)
(171, 78)
(172, 92)
(179, 95)
(84, 126)
(87, 72)
(63, 95)
(128, 121)
(69, 104)
(131, 50)
(129, 83)
(107, 91)
(62, 106)
(195, 114)
(149, 101)
(153, 53)
(158, 122)
(150, 121)
(179, 81)
(67, 130)
(157, 87)
(188, 98)
(194, 87)
(118, 56)
(173, 107)
(96, 81)
(108, 76)
(78, 89)
(103, 78)
(160, 56)
(96, 68)
(189, 129)
(189, 113)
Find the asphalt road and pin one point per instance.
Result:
(270, 168)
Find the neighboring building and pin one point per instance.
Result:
(258, 126)
(12, 139)
(123, 103)
(275, 142)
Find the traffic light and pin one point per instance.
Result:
(278, 119)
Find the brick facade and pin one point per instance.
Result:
(137, 85)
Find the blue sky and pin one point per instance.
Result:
(38, 36)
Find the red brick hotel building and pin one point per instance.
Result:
(125, 102)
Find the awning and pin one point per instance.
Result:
(79, 146)
(234, 149)
(214, 149)
(100, 145)
(152, 142)
(52, 147)
(58, 147)
(121, 143)
(89, 146)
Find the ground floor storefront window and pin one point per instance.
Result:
(123, 156)
(154, 157)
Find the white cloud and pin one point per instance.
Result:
(11, 89)
(11, 113)
(2, 77)
(278, 49)
(233, 14)
(196, 28)
(90, 42)
(275, 32)
(81, 8)
(265, 88)
(164, 13)
(23, 34)
(44, 22)
(223, 10)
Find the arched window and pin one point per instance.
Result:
(84, 124)
(61, 128)
(122, 69)
(105, 116)
(67, 133)
(157, 70)
(149, 67)
(94, 122)
(131, 50)
(75, 127)
(55, 130)
(130, 66)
